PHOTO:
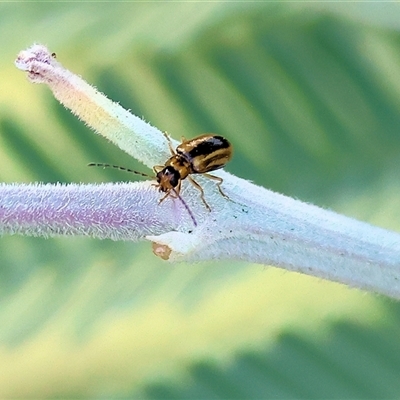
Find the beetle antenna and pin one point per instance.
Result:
(187, 207)
(104, 165)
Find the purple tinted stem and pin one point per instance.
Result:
(126, 211)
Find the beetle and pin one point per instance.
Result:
(199, 155)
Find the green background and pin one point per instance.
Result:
(309, 95)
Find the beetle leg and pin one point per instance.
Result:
(177, 190)
(168, 193)
(197, 186)
(219, 183)
(171, 149)
(174, 192)
(163, 198)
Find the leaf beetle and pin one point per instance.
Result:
(199, 155)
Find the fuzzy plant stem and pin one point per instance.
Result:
(254, 224)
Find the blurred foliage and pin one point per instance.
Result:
(309, 95)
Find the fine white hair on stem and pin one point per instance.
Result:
(257, 225)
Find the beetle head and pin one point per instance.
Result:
(168, 178)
